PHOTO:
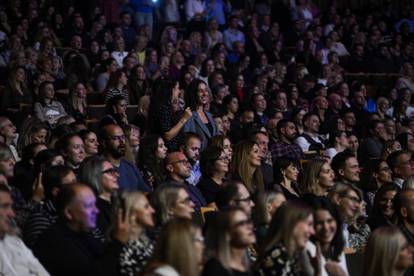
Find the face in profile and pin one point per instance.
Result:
(82, 212)
(184, 207)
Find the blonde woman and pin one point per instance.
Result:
(136, 253)
(245, 165)
(77, 105)
(318, 178)
(179, 250)
(388, 253)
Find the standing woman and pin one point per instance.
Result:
(179, 250)
(101, 176)
(151, 155)
(245, 166)
(214, 165)
(286, 173)
(162, 119)
(47, 109)
(288, 234)
(139, 248)
(387, 253)
(317, 179)
(228, 239)
(201, 122)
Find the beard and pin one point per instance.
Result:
(117, 152)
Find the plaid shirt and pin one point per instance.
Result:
(281, 149)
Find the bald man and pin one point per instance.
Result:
(178, 169)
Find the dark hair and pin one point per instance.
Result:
(228, 193)
(333, 135)
(208, 158)
(282, 124)
(147, 160)
(42, 91)
(187, 137)
(393, 159)
(339, 161)
(52, 178)
(376, 210)
(403, 139)
(338, 241)
(191, 95)
(29, 152)
(281, 164)
(63, 143)
(43, 160)
(307, 116)
(66, 196)
(368, 182)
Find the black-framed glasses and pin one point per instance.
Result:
(246, 199)
(243, 223)
(118, 137)
(111, 171)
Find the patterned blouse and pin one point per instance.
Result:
(277, 262)
(135, 255)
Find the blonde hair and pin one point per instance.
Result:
(132, 201)
(240, 167)
(382, 251)
(175, 247)
(309, 183)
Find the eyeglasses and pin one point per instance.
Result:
(353, 199)
(243, 223)
(247, 199)
(118, 137)
(111, 171)
(183, 162)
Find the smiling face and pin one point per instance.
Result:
(350, 205)
(291, 173)
(386, 203)
(75, 152)
(255, 156)
(325, 227)
(144, 213)
(202, 94)
(302, 232)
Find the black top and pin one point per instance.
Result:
(214, 268)
(65, 252)
(209, 188)
(104, 217)
(288, 195)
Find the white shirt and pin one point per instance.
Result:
(18, 260)
(311, 248)
(193, 7)
(304, 144)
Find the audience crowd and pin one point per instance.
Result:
(206, 137)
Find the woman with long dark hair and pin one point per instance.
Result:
(162, 116)
(197, 97)
(151, 155)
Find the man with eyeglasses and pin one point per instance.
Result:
(113, 142)
(178, 169)
(191, 146)
(234, 193)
